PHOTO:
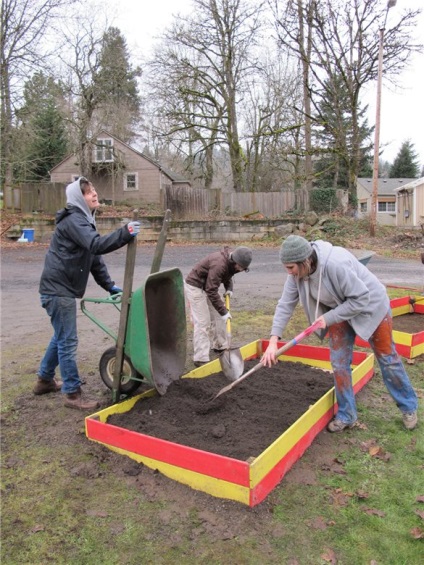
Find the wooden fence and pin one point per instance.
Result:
(184, 202)
(187, 202)
(269, 204)
(47, 197)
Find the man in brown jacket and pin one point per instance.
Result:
(208, 311)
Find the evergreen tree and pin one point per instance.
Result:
(49, 145)
(406, 163)
(334, 131)
(43, 140)
(116, 85)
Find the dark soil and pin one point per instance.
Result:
(409, 323)
(242, 422)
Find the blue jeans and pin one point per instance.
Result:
(342, 337)
(62, 349)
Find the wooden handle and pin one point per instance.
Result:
(227, 305)
(279, 352)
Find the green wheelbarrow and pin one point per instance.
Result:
(156, 334)
(151, 340)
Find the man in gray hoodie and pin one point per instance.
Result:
(75, 252)
(335, 289)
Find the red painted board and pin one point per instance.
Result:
(210, 464)
(273, 478)
(262, 489)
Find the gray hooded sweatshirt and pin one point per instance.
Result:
(341, 289)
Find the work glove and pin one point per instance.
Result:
(226, 317)
(115, 290)
(134, 228)
(228, 293)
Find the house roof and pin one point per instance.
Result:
(413, 184)
(385, 186)
(173, 176)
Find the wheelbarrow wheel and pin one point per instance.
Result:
(107, 370)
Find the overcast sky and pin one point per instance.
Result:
(401, 108)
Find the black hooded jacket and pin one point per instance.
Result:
(75, 252)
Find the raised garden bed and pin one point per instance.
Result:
(240, 445)
(408, 326)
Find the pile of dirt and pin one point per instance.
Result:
(409, 323)
(240, 423)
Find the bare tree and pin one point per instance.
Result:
(345, 59)
(101, 86)
(211, 55)
(294, 26)
(270, 125)
(25, 26)
(336, 42)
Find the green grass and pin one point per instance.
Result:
(52, 515)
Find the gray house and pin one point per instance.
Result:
(386, 198)
(121, 173)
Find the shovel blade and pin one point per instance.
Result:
(232, 364)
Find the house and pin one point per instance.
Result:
(386, 198)
(410, 204)
(121, 173)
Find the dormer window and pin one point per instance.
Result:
(103, 151)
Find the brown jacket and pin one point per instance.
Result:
(210, 272)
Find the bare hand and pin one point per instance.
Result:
(268, 359)
(321, 323)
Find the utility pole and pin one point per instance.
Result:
(374, 199)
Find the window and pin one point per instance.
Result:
(363, 207)
(103, 151)
(131, 181)
(387, 206)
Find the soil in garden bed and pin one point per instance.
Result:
(409, 323)
(240, 423)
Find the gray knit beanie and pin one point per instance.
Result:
(242, 256)
(295, 249)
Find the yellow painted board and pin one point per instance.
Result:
(320, 364)
(267, 460)
(400, 310)
(249, 350)
(121, 407)
(417, 350)
(402, 338)
(197, 481)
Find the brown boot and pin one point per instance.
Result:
(44, 387)
(75, 400)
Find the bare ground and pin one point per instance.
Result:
(45, 423)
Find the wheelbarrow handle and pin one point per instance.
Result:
(279, 352)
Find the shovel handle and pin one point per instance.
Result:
(228, 323)
(279, 352)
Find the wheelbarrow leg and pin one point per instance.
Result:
(123, 319)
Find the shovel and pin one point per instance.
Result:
(279, 352)
(232, 363)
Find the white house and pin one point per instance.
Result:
(410, 204)
(386, 198)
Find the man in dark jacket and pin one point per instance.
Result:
(75, 252)
(208, 311)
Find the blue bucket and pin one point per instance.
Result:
(28, 234)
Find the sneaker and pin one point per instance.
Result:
(337, 425)
(410, 420)
(76, 401)
(44, 386)
(200, 363)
